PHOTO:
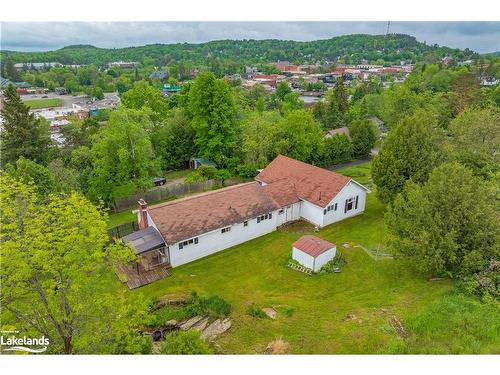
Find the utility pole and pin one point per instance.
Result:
(387, 30)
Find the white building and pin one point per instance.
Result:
(313, 252)
(286, 190)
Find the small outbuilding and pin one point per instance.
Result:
(313, 252)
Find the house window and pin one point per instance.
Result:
(245, 223)
(335, 208)
(225, 230)
(188, 242)
(350, 204)
(280, 212)
(264, 217)
(324, 211)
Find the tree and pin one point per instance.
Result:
(258, 137)
(337, 149)
(65, 179)
(10, 72)
(448, 226)
(80, 132)
(331, 113)
(465, 92)
(299, 136)
(123, 156)
(30, 172)
(282, 90)
(173, 141)
(475, 140)
(142, 95)
(410, 151)
(213, 111)
(363, 137)
(55, 271)
(185, 342)
(22, 133)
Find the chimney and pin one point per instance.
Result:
(143, 214)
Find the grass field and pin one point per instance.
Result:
(355, 311)
(43, 103)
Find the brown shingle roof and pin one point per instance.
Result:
(189, 217)
(316, 185)
(312, 245)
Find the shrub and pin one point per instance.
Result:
(256, 311)
(214, 306)
(338, 261)
(185, 342)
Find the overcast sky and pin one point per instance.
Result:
(478, 36)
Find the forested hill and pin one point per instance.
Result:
(390, 48)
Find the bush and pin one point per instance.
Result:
(214, 306)
(338, 261)
(185, 342)
(256, 311)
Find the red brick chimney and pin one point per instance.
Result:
(143, 214)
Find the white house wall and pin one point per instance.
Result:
(323, 258)
(212, 242)
(352, 189)
(305, 259)
(311, 213)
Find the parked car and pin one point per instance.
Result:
(45, 96)
(159, 181)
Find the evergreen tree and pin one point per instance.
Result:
(363, 137)
(23, 134)
(410, 151)
(10, 72)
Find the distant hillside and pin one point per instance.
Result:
(351, 48)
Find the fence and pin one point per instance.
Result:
(164, 192)
(123, 229)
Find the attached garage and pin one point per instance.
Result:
(313, 252)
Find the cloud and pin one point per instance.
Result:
(39, 36)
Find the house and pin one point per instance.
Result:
(195, 163)
(286, 190)
(123, 64)
(343, 130)
(313, 252)
(159, 74)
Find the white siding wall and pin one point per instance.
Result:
(212, 242)
(312, 213)
(309, 261)
(305, 259)
(324, 258)
(350, 190)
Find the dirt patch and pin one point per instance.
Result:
(278, 346)
(398, 326)
(352, 317)
(299, 226)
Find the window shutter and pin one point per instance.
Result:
(180, 246)
(335, 206)
(324, 211)
(258, 219)
(356, 204)
(345, 207)
(270, 216)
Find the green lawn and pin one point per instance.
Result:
(360, 173)
(121, 217)
(313, 310)
(177, 174)
(43, 103)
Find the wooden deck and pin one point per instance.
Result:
(128, 274)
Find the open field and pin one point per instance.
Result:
(43, 103)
